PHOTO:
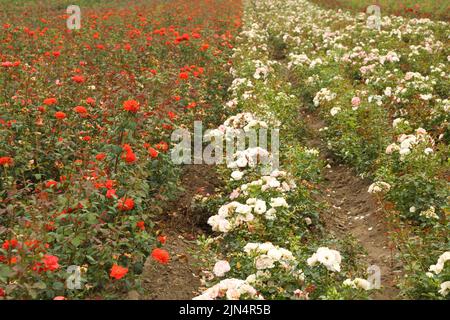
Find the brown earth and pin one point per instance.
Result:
(355, 212)
(179, 280)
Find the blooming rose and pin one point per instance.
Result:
(60, 115)
(356, 101)
(118, 272)
(331, 259)
(49, 101)
(160, 255)
(80, 110)
(153, 152)
(50, 262)
(237, 175)
(221, 267)
(125, 204)
(131, 106)
(6, 161)
(445, 288)
(78, 79)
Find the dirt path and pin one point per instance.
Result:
(354, 211)
(179, 280)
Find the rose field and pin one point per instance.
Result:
(224, 150)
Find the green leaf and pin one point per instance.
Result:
(39, 285)
(5, 272)
(77, 241)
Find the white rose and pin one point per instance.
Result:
(237, 175)
(362, 283)
(445, 288)
(243, 208)
(251, 278)
(251, 246)
(221, 267)
(233, 294)
(264, 247)
(404, 151)
(274, 183)
(275, 254)
(260, 207)
(278, 202)
(334, 111)
(270, 214)
(241, 162)
(264, 262)
(428, 151)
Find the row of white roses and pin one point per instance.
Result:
(436, 269)
(234, 214)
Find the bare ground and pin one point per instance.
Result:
(353, 211)
(179, 280)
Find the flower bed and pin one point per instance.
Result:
(85, 119)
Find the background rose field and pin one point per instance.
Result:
(358, 208)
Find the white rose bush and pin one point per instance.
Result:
(265, 222)
(385, 104)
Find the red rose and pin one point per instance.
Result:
(6, 161)
(110, 193)
(50, 262)
(49, 101)
(2, 293)
(100, 156)
(191, 105)
(160, 255)
(78, 79)
(110, 184)
(51, 183)
(127, 148)
(184, 75)
(204, 47)
(131, 106)
(13, 243)
(7, 64)
(90, 101)
(171, 115)
(60, 115)
(163, 146)
(80, 110)
(129, 157)
(118, 272)
(153, 152)
(162, 239)
(125, 204)
(140, 225)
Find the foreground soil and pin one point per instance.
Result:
(179, 279)
(352, 211)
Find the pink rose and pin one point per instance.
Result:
(356, 101)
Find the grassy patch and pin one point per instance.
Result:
(432, 9)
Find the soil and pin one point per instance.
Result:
(179, 280)
(355, 212)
